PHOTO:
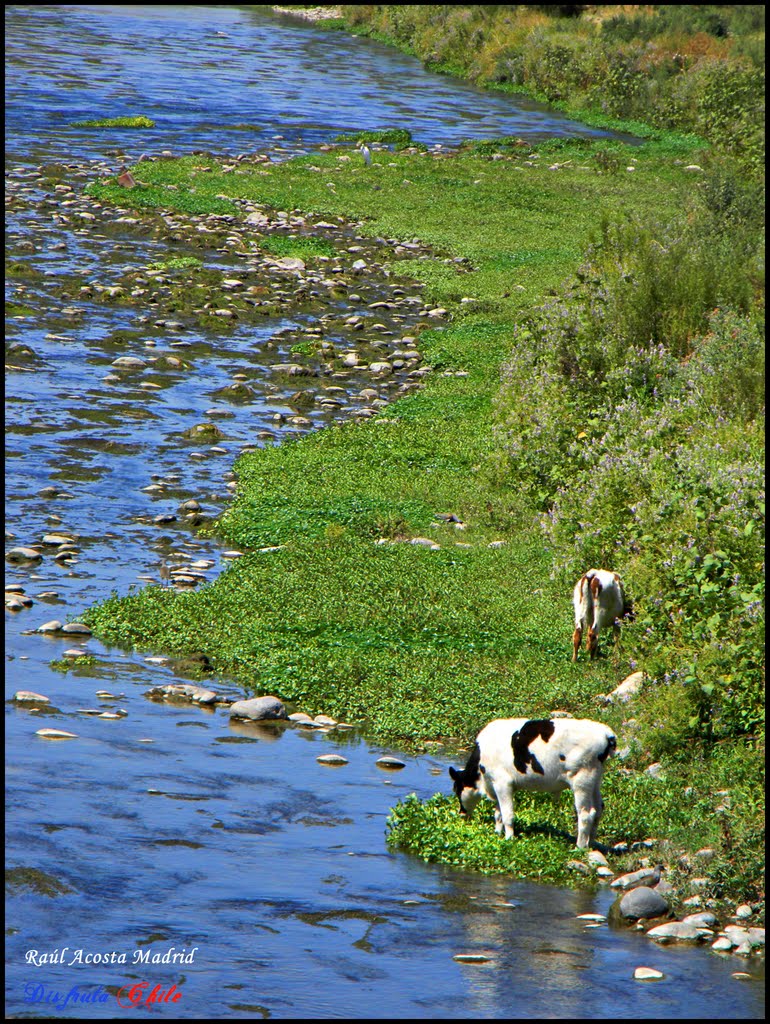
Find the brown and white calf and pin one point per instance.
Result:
(544, 755)
(599, 601)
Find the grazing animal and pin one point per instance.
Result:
(599, 600)
(544, 755)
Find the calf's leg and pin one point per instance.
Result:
(505, 803)
(588, 813)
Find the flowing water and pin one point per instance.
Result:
(166, 830)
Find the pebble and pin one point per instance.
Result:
(56, 734)
(54, 626)
(198, 694)
(390, 763)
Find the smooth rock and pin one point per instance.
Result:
(578, 866)
(76, 627)
(705, 919)
(627, 689)
(645, 876)
(390, 763)
(258, 708)
(129, 363)
(647, 974)
(29, 695)
(18, 555)
(642, 901)
(744, 912)
(54, 626)
(332, 759)
(676, 931)
(55, 734)
(738, 935)
(471, 958)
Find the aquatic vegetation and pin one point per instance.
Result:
(398, 137)
(435, 831)
(116, 122)
(304, 246)
(176, 263)
(65, 665)
(25, 880)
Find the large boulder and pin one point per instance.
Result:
(642, 902)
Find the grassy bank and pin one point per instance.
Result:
(691, 68)
(529, 405)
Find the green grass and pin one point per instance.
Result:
(417, 644)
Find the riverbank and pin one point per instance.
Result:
(688, 69)
(427, 640)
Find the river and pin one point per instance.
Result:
(165, 830)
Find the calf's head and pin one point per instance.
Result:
(466, 780)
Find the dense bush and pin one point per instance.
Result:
(633, 408)
(697, 68)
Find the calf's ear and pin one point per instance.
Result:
(453, 773)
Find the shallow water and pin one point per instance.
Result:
(169, 829)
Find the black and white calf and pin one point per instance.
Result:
(599, 601)
(545, 755)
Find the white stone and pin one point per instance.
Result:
(332, 759)
(55, 734)
(630, 686)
